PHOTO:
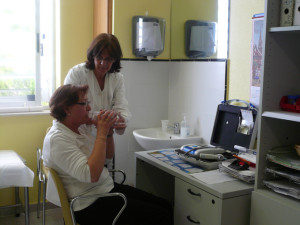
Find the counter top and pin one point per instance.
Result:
(223, 190)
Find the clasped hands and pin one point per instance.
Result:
(111, 118)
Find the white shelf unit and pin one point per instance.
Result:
(282, 115)
(284, 29)
(281, 77)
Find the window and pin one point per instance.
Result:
(27, 54)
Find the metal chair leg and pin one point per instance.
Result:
(44, 202)
(39, 200)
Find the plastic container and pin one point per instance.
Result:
(290, 103)
(164, 125)
(184, 126)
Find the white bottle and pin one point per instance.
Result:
(184, 126)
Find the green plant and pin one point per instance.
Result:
(31, 86)
(17, 87)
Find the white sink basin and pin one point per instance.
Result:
(155, 138)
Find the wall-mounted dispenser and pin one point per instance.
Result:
(148, 36)
(200, 38)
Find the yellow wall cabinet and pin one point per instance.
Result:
(175, 13)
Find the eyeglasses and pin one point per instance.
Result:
(108, 59)
(86, 103)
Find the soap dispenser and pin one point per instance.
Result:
(184, 126)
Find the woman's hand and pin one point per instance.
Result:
(120, 125)
(105, 121)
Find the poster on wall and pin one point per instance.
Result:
(256, 58)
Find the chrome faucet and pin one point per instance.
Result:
(175, 128)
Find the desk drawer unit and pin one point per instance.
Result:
(195, 206)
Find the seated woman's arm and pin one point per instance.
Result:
(104, 146)
(110, 145)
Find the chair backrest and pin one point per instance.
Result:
(40, 165)
(38, 160)
(42, 171)
(65, 205)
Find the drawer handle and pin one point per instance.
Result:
(193, 193)
(193, 221)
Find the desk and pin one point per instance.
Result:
(14, 173)
(213, 204)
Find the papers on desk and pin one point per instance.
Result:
(213, 177)
(209, 177)
(13, 171)
(171, 158)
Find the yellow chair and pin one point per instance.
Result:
(42, 173)
(67, 207)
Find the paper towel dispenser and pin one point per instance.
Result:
(200, 38)
(148, 36)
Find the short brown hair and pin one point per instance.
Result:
(64, 96)
(111, 44)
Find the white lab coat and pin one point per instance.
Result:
(111, 97)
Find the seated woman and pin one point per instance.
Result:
(79, 158)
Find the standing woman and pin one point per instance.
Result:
(101, 73)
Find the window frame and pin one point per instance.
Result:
(19, 104)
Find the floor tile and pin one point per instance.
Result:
(53, 217)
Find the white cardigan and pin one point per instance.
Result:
(67, 153)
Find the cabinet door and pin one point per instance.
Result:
(267, 208)
(195, 206)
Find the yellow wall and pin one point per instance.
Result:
(188, 10)
(23, 134)
(122, 19)
(241, 13)
(76, 32)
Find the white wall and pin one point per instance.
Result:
(159, 90)
(196, 88)
(147, 90)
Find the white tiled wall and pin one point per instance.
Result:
(159, 90)
(196, 88)
(147, 90)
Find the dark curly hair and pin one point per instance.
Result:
(111, 44)
(65, 96)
